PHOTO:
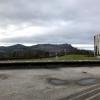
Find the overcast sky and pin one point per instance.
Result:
(49, 21)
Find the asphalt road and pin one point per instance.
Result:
(92, 93)
(50, 84)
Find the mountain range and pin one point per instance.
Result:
(20, 51)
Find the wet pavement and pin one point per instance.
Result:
(50, 84)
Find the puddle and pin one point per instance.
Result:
(81, 82)
(55, 81)
(88, 81)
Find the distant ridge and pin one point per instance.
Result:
(20, 51)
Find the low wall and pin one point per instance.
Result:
(47, 64)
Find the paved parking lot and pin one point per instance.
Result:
(46, 84)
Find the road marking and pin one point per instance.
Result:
(90, 98)
(85, 90)
(85, 93)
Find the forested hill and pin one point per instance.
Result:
(38, 51)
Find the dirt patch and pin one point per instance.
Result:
(4, 76)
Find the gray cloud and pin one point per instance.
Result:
(80, 17)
